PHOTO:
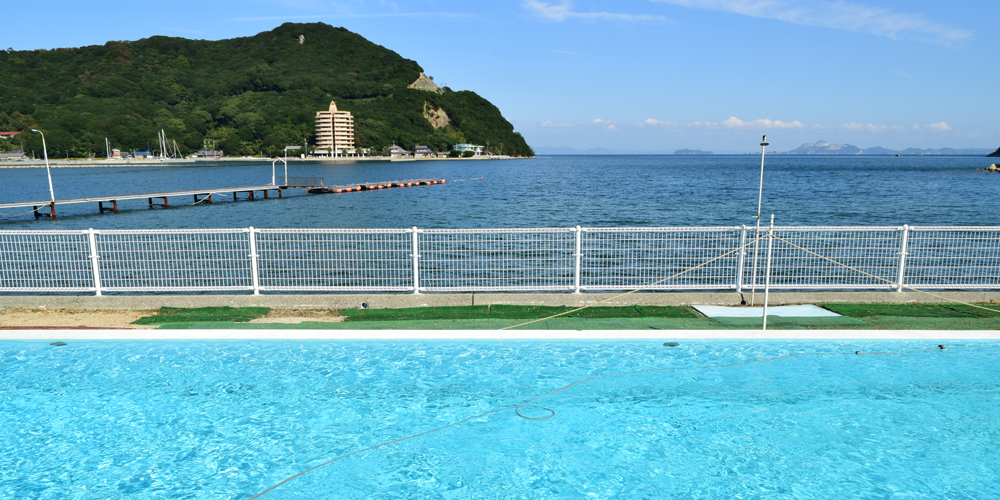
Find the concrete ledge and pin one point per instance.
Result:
(392, 301)
(490, 335)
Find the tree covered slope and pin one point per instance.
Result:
(250, 94)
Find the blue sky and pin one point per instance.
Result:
(640, 75)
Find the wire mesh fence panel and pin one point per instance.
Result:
(871, 250)
(174, 260)
(45, 261)
(497, 259)
(335, 259)
(953, 257)
(659, 258)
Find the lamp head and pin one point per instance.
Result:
(34, 130)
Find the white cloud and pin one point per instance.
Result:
(655, 122)
(759, 123)
(838, 15)
(563, 10)
(548, 123)
(939, 127)
(858, 127)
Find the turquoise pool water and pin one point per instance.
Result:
(158, 420)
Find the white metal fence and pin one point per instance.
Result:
(496, 260)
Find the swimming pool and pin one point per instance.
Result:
(151, 420)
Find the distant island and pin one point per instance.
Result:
(692, 152)
(995, 153)
(826, 148)
(242, 95)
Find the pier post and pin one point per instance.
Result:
(902, 257)
(37, 215)
(149, 201)
(253, 261)
(114, 203)
(52, 210)
(578, 255)
(416, 260)
(91, 237)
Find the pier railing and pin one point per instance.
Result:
(573, 259)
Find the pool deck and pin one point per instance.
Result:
(491, 335)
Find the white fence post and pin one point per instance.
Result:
(767, 279)
(902, 257)
(416, 260)
(739, 261)
(93, 260)
(253, 261)
(578, 255)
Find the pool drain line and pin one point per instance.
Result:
(551, 413)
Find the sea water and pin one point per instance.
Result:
(151, 420)
(553, 191)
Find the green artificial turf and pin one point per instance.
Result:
(511, 312)
(914, 310)
(203, 314)
(415, 313)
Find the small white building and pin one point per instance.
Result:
(398, 152)
(422, 152)
(462, 148)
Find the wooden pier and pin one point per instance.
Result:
(205, 195)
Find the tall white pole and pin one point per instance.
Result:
(756, 234)
(48, 172)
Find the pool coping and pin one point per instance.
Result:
(491, 335)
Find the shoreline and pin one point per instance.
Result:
(208, 162)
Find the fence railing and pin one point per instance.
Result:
(498, 260)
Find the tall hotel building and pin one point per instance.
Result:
(334, 129)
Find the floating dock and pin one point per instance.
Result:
(372, 186)
(160, 199)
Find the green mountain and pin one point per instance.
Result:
(247, 95)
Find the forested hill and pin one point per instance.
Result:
(995, 153)
(246, 94)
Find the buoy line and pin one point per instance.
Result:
(552, 413)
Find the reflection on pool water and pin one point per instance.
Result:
(228, 420)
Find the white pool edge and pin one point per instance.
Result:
(491, 335)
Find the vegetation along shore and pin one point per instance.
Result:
(245, 96)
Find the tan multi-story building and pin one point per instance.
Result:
(334, 129)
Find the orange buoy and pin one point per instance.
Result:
(443, 181)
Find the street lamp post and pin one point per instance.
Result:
(52, 194)
(756, 234)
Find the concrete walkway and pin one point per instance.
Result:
(490, 335)
(394, 301)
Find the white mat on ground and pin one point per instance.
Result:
(801, 311)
